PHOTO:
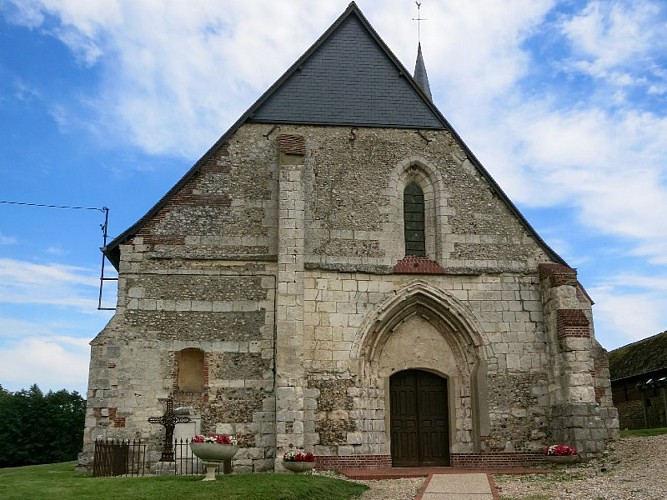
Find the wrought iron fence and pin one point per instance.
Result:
(187, 464)
(128, 458)
(119, 458)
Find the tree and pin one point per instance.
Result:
(37, 428)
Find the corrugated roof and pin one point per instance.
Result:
(642, 357)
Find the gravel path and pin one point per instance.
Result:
(633, 469)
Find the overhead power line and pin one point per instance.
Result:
(42, 205)
(104, 228)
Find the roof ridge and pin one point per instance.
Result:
(637, 342)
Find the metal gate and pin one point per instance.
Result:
(119, 458)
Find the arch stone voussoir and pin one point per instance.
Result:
(434, 304)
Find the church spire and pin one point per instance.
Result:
(420, 68)
(420, 73)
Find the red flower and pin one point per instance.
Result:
(560, 450)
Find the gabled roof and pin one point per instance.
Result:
(368, 86)
(639, 358)
(328, 87)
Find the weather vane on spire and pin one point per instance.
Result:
(419, 19)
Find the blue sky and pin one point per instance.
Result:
(108, 103)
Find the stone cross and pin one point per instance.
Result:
(169, 420)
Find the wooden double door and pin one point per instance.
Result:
(419, 419)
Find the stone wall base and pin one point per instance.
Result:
(587, 426)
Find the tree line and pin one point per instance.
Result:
(38, 428)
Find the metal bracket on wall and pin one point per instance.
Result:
(103, 278)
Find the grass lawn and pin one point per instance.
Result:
(59, 481)
(644, 432)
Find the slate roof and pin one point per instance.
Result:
(639, 358)
(347, 77)
(370, 89)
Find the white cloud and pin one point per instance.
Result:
(614, 33)
(209, 64)
(53, 363)
(207, 61)
(473, 49)
(57, 251)
(7, 240)
(611, 166)
(26, 13)
(56, 284)
(626, 316)
(52, 352)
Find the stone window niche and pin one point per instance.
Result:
(190, 364)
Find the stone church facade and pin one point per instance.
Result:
(341, 274)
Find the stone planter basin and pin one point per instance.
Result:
(212, 455)
(213, 452)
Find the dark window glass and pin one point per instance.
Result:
(413, 214)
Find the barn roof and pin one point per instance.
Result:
(639, 358)
(349, 76)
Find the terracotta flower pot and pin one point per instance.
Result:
(299, 466)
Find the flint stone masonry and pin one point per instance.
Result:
(198, 288)
(340, 335)
(198, 325)
(333, 404)
(280, 262)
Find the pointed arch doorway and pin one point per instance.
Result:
(419, 419)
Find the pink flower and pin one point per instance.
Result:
(215, 438)
(298, 456)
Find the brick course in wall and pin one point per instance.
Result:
(418, 265)
(558, 274)
(464, 460)
(499, 459)
(292, 144)
(572, 323)
(353, 462)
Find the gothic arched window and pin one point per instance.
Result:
(413, 220)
